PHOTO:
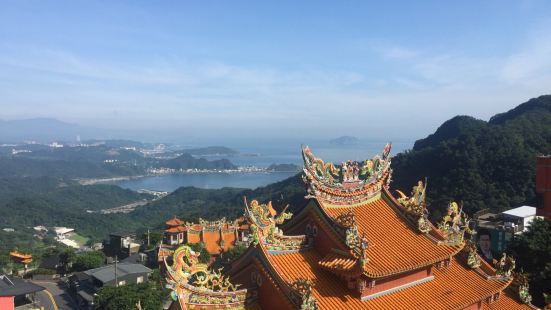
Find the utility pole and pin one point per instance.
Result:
(148, 238)
(116, 278)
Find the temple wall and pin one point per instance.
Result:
(390, 283)
(211, 239)
(193, 237)
(229, 240)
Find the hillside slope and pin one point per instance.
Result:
(484, 164)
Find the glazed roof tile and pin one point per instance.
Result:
(175, 229)
(395, 245)
(454, 287)
(508, 300)
(338, 262)
(174, 222)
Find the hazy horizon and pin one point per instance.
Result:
(246, 71)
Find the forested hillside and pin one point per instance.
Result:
(29, 202)
(484, 164)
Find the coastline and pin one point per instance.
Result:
(166, 172)
(108, 180)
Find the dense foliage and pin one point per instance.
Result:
(484, 164)
(190, 203)
(204, 255)
(89, 260)
(224, 260)
(29, 202)
(532, 250)
(149, 295)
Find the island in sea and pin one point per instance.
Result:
(344, 141)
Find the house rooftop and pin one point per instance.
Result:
(107, 273)
(524, 211)
(11, 286)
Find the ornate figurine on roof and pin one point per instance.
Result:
(505, 265)
(523, 288)
(349, 183)
(302, 294)
(415, 206)
(194, 285)
(454, 224)
(263, 219)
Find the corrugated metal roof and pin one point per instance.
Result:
(107, 273)
(524, 211)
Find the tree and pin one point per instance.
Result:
(532, 250)
(89, 260)
(155, 236)
(224, 260)
(204, 255)
(67, 258)
(150, 296)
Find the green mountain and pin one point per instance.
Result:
(186, 161)
(29, 202)
(190, 203)
(212, 150)
(484, 164)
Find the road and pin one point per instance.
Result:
(58, 290)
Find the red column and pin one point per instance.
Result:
(6, 302)
(543, 186)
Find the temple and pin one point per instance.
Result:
(21, 258)
(356, 246)
(217, 236)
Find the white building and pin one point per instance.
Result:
(519, 218)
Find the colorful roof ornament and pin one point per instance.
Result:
(263, 220)
(302, 294)
(194, 285)
(523, 288)
(454, 224)
(505, 265)
(416, 207)
(349, 182)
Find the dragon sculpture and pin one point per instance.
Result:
(302, 289)
(326, 171)
(263, 219)
(193, 283)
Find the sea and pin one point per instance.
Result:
(261, 157)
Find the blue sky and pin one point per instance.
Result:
(296, 68)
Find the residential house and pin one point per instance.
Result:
(15, 292)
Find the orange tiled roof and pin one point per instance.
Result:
(175, 229)
(339, 263)
(509, 300)
(394, 245)
(455, 287)
(20, 255)
(174, 222)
